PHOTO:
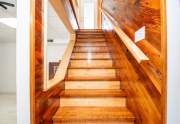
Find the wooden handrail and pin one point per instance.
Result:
(61, 12)
(62, 69)
(131, 46)
(75, 15)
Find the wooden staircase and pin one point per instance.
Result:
(92, 91)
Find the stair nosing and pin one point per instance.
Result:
(93, 93)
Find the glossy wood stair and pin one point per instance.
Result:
(92, 92)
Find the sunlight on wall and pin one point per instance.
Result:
(89, 15)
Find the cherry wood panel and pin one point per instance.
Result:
(133, 14)
(143, 98)
(44, 103)
(145, 82)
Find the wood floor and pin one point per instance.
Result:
(92, 92)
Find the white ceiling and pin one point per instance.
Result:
(7, 34)
(56, 29)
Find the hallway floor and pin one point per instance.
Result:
(8, 109)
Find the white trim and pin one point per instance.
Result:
(23, 62)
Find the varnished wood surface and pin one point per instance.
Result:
(91, 74)
(91, 40)
(94, 44)
(93, 102)
(92, 82)
(137, 13)
(80, 64)
(140, 14)
(143, 98)
(92, 93)
(135, 51)
(96, 85)
(91, 49)
(81, 115)
(98, 56)
(152, 15)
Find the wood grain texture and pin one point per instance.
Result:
(44, 103)
(103, 115)
(144, 99)
(32, 63)
(94, 84)
(148, 90)
(89, 85)
(133, 14)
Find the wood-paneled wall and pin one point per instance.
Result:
(45, 103)
(145, 82)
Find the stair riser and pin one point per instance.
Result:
(102, 85)
(91, 64)
(90, 56)
(95, 44)
(92, 122)
(91, 40)
(91, 49)
(89, 36)
(91, 74)
(93, 102)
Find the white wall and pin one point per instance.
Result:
(55, 52)
(173, 24)
(8, 67)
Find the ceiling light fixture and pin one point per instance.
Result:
(5, 4)
(11, 22)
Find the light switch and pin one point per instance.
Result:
(140, 34)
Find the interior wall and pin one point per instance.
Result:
(88, 3)
(173, 21)
(8, 67)
(55, 52)
(146, 80)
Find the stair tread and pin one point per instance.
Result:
(93, 114)
(91, 74)
(91, 56)
(93, 93)
(114, 85)
(92, 49)
(91, 64)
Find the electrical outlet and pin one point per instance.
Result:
(140, 34)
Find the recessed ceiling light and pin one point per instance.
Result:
(11, 22)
